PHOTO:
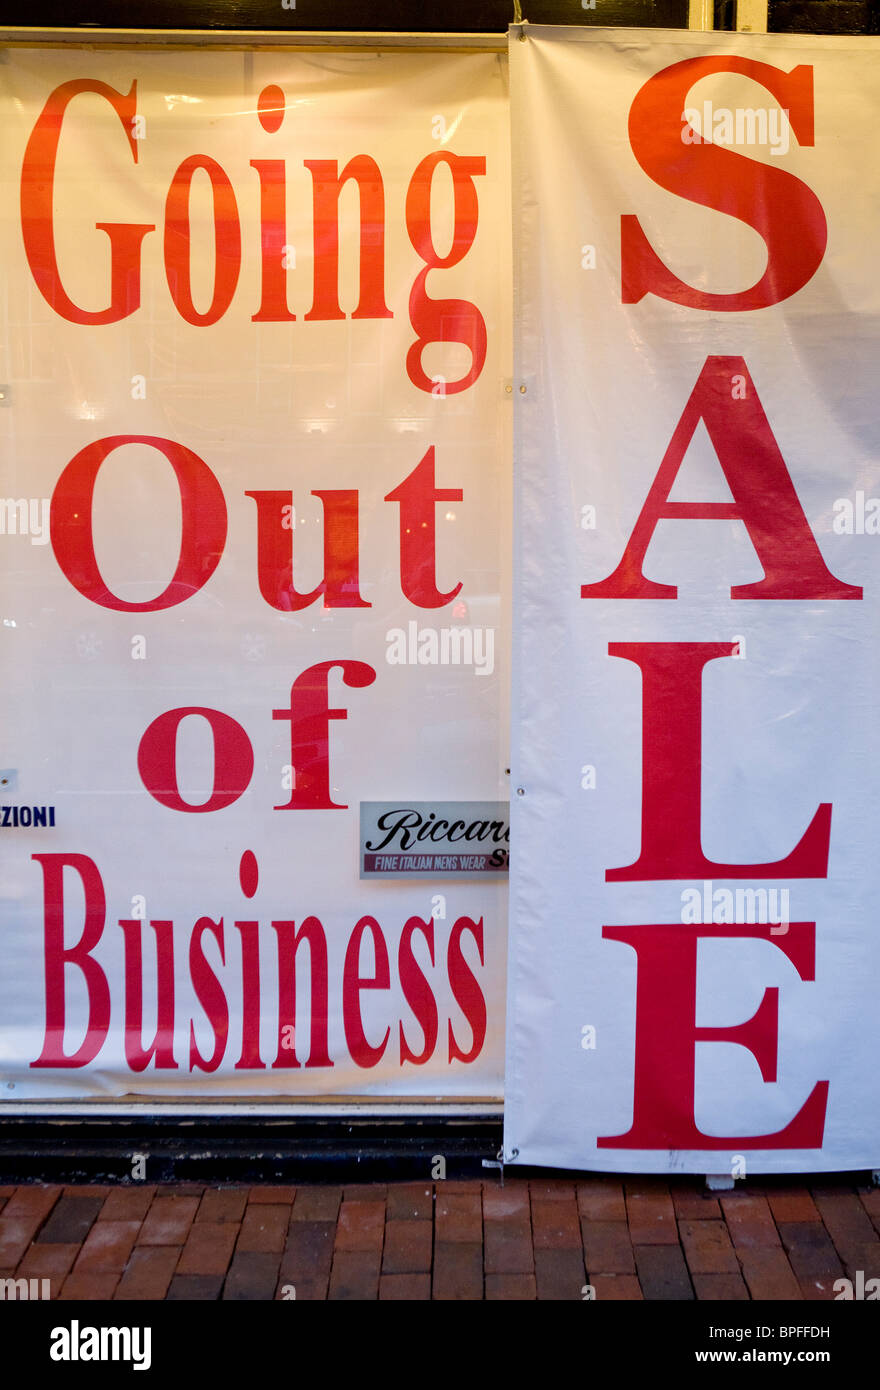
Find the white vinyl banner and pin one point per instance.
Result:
(254, 513)
(694, 955)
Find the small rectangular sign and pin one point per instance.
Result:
(402, 839)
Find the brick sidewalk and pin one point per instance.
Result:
(629, 1239)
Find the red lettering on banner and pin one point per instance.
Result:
(435, 321)
(37, 210)
(417, 991)
(310, 714)
(327, 186)
(178, 250)
(289, 941)
(210, 995)
(204, 525)
(273, 241)
(214, 989)
(671, 774)
(667, 1035)
(58, 957)
(202, 534)
(362, 1052)
(233, 759)
(444, 320)
(466, 988)
(137, 1056)
(765, 500)
(781, 208)
(250, 1059)
(418, 497)
(341, 583)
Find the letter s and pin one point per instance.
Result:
(781, 208)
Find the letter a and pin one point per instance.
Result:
(765, 500)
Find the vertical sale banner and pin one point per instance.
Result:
(694, 960)
(254, 512)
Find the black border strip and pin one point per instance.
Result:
(334, 16)
(224, 1149)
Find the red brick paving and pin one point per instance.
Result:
(507, 1247)
(70, 1220)
(515, 1286)
(127, 1204)
(189, 1288)
(308, 1256)
(410, 1202)
(663, 1274)
(222, 1204)
(408, 1247)
(107, 1246)
(793, 1205)
(51, 1262)
(264, 1228)
(555, 1225)
(208, 1248)
(459, 1216)
(695, 1206)
(601, 1199)
(723, 1288)
(650, 1213)
(607, 1247)
(458, 1271)
(707, 1247)
(253, 1275)
(272, 1195)
(620, 1287)
(355, 1275)
(168, 1220)
(405, 1287)
(846, 1221)
(361, 1226)
(510, 1202)
(147, 1274)
(749, 1221)
(601, 1237)
(768, 1274)
(316, 1204)
(560, 1274)
(98, 1287)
